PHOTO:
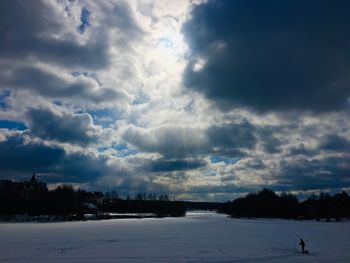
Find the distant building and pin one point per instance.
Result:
(33, 183)
(95, 198)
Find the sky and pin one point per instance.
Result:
(203, 100)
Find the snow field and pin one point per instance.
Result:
(198, 237)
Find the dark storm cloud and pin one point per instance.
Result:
(336, 143)
(275, 55)
(235, 139)
(63, 127)
(301, 149)
(175, 165)
(255, 164)
(79, 167)
(26, 31)
(17, 155)
(267, 137)
(232, 139)
(20, 155)
(272, 146)
(304, 174)
(233, 135)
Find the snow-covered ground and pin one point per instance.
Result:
(199, 237)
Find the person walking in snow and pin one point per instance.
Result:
(302, 244)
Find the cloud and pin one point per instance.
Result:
(255, 164)
(62, 126)
(175, 165)
(173, 142)
(168, 141)
(231, 139)
(22, 155)
(81, 167)
(336, 143)
(57, 85)
(64, 50)
(122, 16)
(301, 149)
(280, 56)
(39, 30)
(17, 154)
(304, 174)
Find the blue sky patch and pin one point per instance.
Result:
(219, 159)
(122, 148)
(104, 117)
(84, 20)
(12, 125)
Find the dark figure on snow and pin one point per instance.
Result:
(302, 244)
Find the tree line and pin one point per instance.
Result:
(159, 205)
(18, 198)
(33, 198)
(113, 195)
(267, 204)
